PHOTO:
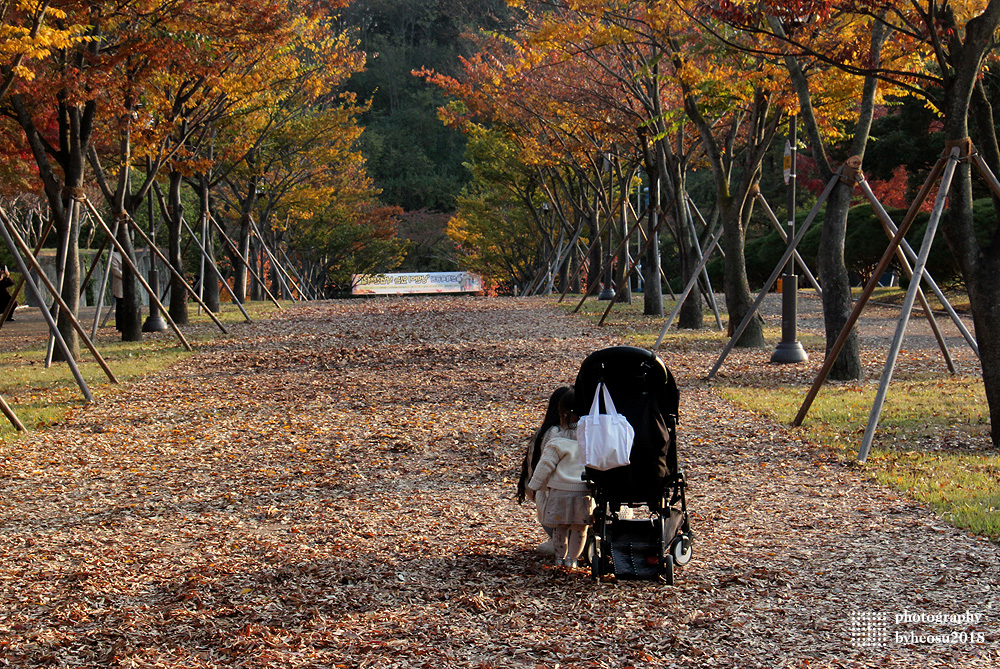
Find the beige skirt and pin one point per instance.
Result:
(566, 507)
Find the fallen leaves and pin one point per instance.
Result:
(335, 488)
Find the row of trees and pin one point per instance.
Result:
(136, 102)
(591, 100)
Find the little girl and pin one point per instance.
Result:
(559, 473)
(549, 428)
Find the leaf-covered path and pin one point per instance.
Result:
(334, 487)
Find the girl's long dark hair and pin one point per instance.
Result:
(531, 457)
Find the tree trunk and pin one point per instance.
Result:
(737, 287)
(128, 318)
(75, 124)
(131, 311)
(175, 210)
(210, 278)
(980, 264)
(837, 300)
(756, 137)
(692, 313)
(652, 295)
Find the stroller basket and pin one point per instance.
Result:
(635, 549)
(645, 393)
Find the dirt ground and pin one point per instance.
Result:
(335, 487)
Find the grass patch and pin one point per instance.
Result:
(921, 447)
(43, 396)
(959, 300)
(963, 487)
(941, 411)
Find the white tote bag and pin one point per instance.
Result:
(605, 439)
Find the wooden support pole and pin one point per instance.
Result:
(984, 169)
(784, 237)
(246, 263)
(606, 264)
(310, 293)
(631, 268)
(215, 267)
(74, 211)
(663, 275)
(145, 284)
(93, 266)
(904, 317)
(904, 262)
(282, 274)
(104, 286)
(565, 257)
(59, 300)
(173, 270)
(20, 283)
(852, 319)
(543, 271)
(576, 273)
(777, 270)
(690, 285)
(8, 233)
(703, 272)
(11, 416)
(204, 255)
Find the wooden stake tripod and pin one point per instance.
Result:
(10, 234)
(246, 263)
(156, 251)
(20, 284)
(774, 274)
(11, 416)
(943, 169)
(634, 264)
(855, 175)
(280, 270)
(205, 256)
(706, 256)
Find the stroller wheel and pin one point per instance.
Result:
(595, 559)
(666, 570)
(680, 550)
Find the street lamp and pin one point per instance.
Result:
(789, 350)
(154, 322)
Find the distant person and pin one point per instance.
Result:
(6, 283)
(116, 288)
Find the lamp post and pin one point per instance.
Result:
(789, 350)
(154, 322)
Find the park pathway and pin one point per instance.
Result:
(334, 488)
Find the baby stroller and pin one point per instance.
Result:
(657, 537)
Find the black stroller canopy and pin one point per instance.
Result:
(629, 373)
(643, 390)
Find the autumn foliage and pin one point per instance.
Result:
(245, 94)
